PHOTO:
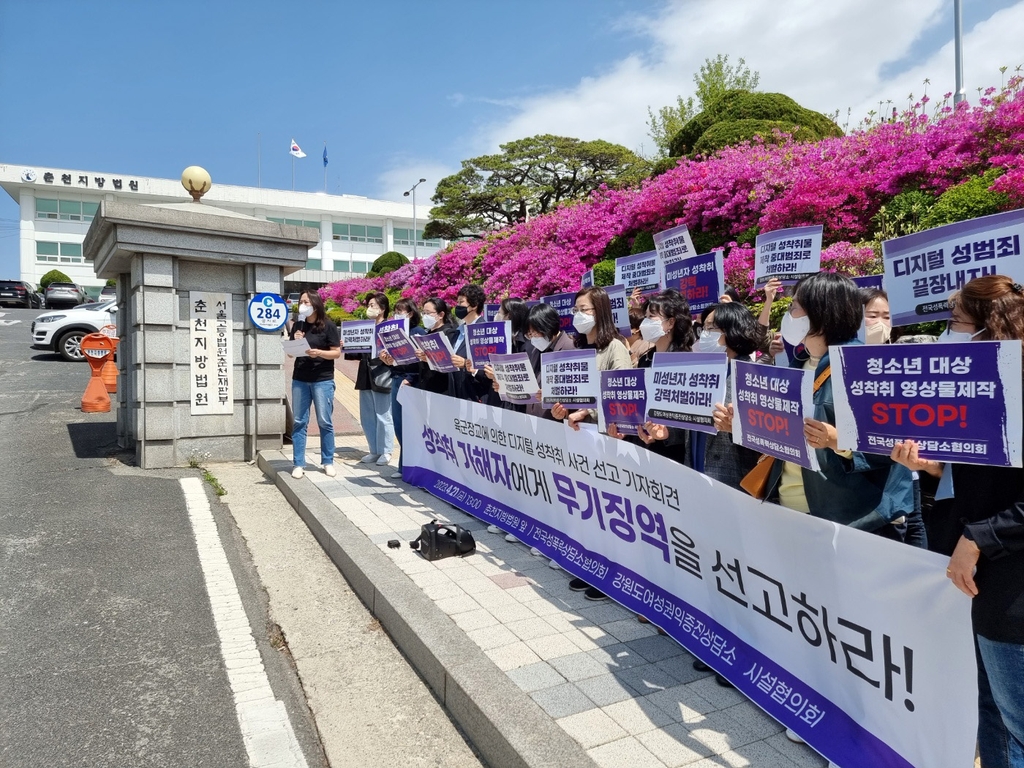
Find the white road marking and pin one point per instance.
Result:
(9, 322)
(266, 730)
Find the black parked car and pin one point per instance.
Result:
(20, 294)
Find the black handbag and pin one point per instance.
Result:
(439, 541)
(380, 376)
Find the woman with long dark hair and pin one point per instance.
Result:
(313, 381)
(437, 318)
(402, 374)
(374, 394)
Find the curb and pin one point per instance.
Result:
(503, 723)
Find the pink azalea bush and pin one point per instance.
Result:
(839, 183)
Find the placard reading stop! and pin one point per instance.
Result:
(268, 311)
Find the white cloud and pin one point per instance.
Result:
(826, 55)
(403, 172)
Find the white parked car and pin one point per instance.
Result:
(62, 331)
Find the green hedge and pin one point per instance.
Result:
(387, 262)
(968, 200)
(53, 276)
(729, 132)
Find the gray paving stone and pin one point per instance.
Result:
(681, 667)
(720, 697)
(618, 657)
(757, 754)
(536, 677)
(753, 717)
(562, 700)
(605, 689)
(592, 728)
(624, 753)
(801, 754)
(720, 733)
(605, 613)
(647, 678)
(578, 666)
(682, 703)
(638, 715)
(673, 745)
(656, 647)
(629, 629)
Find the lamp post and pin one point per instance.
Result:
(958, 52)
(414, 232)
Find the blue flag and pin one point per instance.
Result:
(325, 155)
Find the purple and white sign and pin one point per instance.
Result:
(438, 350)
(624, 398)
(359, 336)
(562, 303)
(683, 388)
(869, 281)
(922, 269)
(674, 245)
(398, 344)
(384, 326)
(570, 378)
(959, 401)
(642, 270)
(486, 339)
(701, 279)
(620, 308)
(587, 281)
(490, 310)
(787, 254)
(517, 383)
(770, 405)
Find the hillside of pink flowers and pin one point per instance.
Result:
(839, 182)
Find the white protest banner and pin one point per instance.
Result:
(517, 383)
(358, 336)
(683, 388)
(438, 350)
(960, 401)
(859, 644)
(620, 308)
(642, 270)
(211, 373)
(922, 269)
(570, 378)
(787, 254)
(486, 339)
(674, 245)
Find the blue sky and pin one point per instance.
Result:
(403, 89)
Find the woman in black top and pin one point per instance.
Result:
(402, 374)
(484, 386)
(375, 394)
(437, 318)
(313, 381)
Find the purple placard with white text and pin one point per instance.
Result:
(624, 398)
(570, 378)
(386, 326)
(869, 281)
(701, 279)
(398, 344)
(642, 270)
(959, 401)
(438, 350)
(562, 303)
(922, 269)
(486, 339)
(587, 281)
(620, 308)
(789, 255)
(490, 310)
(684, 387)
(770, 405)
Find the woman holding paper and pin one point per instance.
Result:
(375, 392)
(516, 312)
(437, 318)
(987, 562)
(402, 374)
(313, 381)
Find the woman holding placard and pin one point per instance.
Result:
(402, 375)
(516, 312)
(373, 382)
(437, 318)
(313, 381)
(987, 561)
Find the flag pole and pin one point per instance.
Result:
(293, 173)
(325, 167)
(259, 160)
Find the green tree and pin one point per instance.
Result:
(716, 76)
(53, 276)
(529, 177)
(387, 262)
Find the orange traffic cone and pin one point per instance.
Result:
(109, 370)
(97, 349)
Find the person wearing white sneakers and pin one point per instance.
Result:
(373, 382)
(313, 381)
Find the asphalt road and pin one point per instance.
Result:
(108, 651)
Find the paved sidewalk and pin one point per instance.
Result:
(626, 695)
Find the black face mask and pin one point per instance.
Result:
(461, 312)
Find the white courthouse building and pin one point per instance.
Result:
(58, 204)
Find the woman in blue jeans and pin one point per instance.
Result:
(374, 405)
(400, 374)
(313, 381)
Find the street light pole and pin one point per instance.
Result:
(414, 232)
(958, 52)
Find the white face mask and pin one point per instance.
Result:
(540, 343)
(955, 336)
(708, 342)
(372, 312)
(879, 333)
(401, 316)
(795, 329)
(305, 310)
(583, 323)
(429, 321)
(651, 329)
(499, 317)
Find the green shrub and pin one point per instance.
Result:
(604, 272)
(663, 165)
(903, 215)
(617, 247)
(53, 276)
(968, 200)
(705, 242)
(748, 236)
(729, 132)
(387, 262)
(642, 243)
(745, 105)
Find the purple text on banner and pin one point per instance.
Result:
(922, 269)
(439, 354)
(620, 308)
(642, 270)
(624, 398)
(563, 303)
(486, 339)
(787, 254)
(570, 378)
(770, 405)
(515, 375)
(490, 310)
(684, 387)
(959, 401)
(674, 245)
(700, 279)
(399, 346)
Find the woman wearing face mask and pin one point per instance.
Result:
(987, 558)
(484, 386)
(637, 345)
(877, 319)
(402, 375)
(595, 325)
(374, 398)
(437, 318)
(543, 334)
(313, 381)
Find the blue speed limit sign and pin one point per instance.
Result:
(268, 312)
